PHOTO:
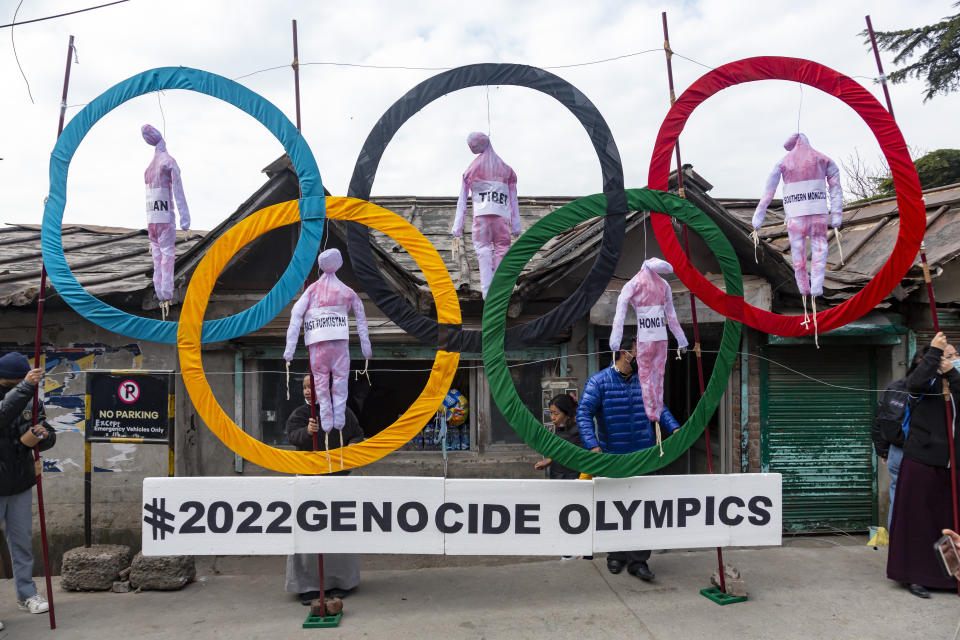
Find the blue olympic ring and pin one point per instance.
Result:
(312, 206)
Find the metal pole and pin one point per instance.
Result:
(296, 72)
(316, 446)
(36, 363)
(313, 388)
(883, 78)
(693, 301)
(933, 307)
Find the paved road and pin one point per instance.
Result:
(830, 587)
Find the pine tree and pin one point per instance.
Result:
(938, 46)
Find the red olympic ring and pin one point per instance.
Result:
(905, 180)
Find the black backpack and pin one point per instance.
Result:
(891, 416)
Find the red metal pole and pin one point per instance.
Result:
(933, 307)
(876, 54)
(693, 301)
(36, 363)
(316, 447)
(313, 388)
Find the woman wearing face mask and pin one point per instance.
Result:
(563, 410)
(922, 507)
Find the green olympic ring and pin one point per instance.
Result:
(504, 393)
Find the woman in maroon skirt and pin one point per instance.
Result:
(923, 502)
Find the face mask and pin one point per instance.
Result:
(634, 367)
(956, 363)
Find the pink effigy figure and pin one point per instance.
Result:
(162, 179)
(322, 311)
(492, 184)
(808, 176)
(652, 301)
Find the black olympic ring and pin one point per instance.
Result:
(453, 337)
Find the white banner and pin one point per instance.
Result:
(364, 514)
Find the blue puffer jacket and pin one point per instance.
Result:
(617, 405)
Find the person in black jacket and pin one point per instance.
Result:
(891, 423)
(563, 412)
(341, 571)
(924, 497)
(18, 473)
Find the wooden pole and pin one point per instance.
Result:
(693, 301)
(36, 363)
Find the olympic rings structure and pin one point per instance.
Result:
(311, 462)
(446, 332)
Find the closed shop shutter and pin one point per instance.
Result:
(818, 436)
(924, 336)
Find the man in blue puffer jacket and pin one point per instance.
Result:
(614, 399)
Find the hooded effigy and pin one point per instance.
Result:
(164, 189)
(322, 312)
(651, 298)
(812, 198)
(492, 186)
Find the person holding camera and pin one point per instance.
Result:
(18, 473)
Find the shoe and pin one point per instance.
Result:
(588, 557)
(336, 593)
(566, 558)
(308, 596)
(38, 604)
(615, 566)
(642, 571)
(918, 590)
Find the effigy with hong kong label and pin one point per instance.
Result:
(616, 509)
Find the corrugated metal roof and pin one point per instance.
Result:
(105, 260)
(434, 216)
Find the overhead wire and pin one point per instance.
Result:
(16, 57)
(59, 15)
(528, 363)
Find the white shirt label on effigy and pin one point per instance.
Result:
(321, 324)
(490, 198)
(159, 208)
(806, 198)
(651, 325)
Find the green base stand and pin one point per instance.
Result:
(714, 593)
(321, 622)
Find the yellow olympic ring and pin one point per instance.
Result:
(314, 462)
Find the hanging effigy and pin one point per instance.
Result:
(651, 298)
(492, 186)
(322, 312)
(162, 179)
(808, 176)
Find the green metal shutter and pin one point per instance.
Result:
(818, 436)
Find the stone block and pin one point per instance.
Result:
(732, 579)
(95, 568)
(121, 586)
(162, 573)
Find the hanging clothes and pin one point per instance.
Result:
(322, 312)
(652, 301)
(492, 186)
(164, 188)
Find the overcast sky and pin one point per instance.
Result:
(733, 139)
